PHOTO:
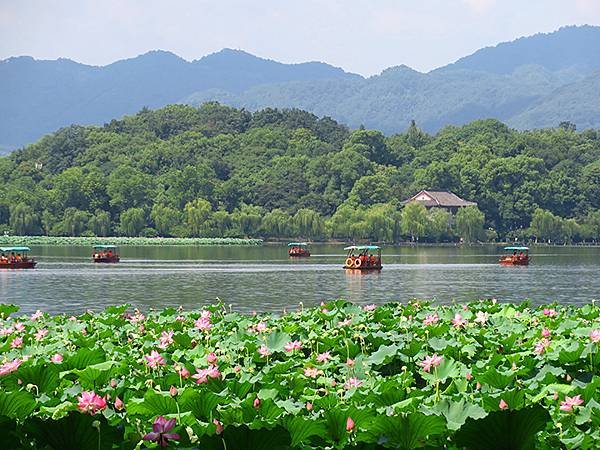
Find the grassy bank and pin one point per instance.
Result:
(479, 375)
(89, 241)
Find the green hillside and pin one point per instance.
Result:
(217, 171)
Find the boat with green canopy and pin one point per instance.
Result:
(363, 257)
(298, 249)
(515, 256)
(105, 254)
(16, 258)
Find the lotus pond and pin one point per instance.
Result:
(413, 375)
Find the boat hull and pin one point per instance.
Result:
(508, 262)
(107, 259)
(364, 269)
(19, 265)
(299, 254)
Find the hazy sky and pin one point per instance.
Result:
(363, 36)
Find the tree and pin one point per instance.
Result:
(308, 223)
(414, 220)
(74, 221)
(133, 221)
(197, 214)
(545, 225)
(277, 223)
(165, 219)
(99, 223)
(438, 227)
(23, 219)
(469, 224)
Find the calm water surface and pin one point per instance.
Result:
(265, 279)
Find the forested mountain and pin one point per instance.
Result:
(522, 83)
(37, 97)
(219, 171)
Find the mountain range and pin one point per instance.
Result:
(535, 81)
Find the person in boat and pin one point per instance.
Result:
(372, 260)
(12, 258)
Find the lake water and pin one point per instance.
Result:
(265, 279)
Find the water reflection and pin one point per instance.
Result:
(263, 278)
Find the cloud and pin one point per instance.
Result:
(480, 6)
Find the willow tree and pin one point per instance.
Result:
(414, 220)
(469, 223)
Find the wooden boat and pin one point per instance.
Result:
(519, 256)
(361, 258)
(16, 258)
(298, 249)
(105, 254)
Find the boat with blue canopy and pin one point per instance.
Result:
(16, 258)
(363, 257)
(516, 255)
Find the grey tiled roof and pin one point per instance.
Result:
(441, 198)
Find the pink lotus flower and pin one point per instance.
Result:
(219, 426)
(370, 307)
(40, 334)
(264, 351)
(550, 312)
(19, 327)
(293, 345)
(458, 321)
(153, 360)
(345, 322)
(541, 346)
(57, 358)
(17, 342)
(203, 324)
(6, 331)
(256, 403)
(90, 402)
(202, 375)
(595, 336)
(260, 327)
(349, 424)
(309, 406)
(546, 333)
(36, 315)
(503, 405)
(166, 339)
(160, 432)
(481, 317)
(119, 404)
(311, 372)
(352, 383)
(350, 362)
(431, 361)
(324, 357)
(183, 372)
(468, 376)
(569, 402)
(9, 367)
(211, 358)
(173, 391)
(431, 319)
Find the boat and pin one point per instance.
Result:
(16, 258)
(105, 254)
(519, 256)
(361, 257)
(298, 249)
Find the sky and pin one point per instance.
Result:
(361, 36)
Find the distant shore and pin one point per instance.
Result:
(124, 241)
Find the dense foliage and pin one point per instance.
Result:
(481, 375)
(121, 240)
(221, 172)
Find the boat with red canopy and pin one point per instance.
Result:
(363, 257)
(298, 249)
(16, 258)
(518, 257)
(105, 254)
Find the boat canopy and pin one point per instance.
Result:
(517, 248)
(297, 244)
(362, 247)
(15, 249)
(105, 247)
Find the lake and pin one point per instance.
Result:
(265, 279)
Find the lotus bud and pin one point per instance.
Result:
(349, 424)
(173, 391)
(256, 403)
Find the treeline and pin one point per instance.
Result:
(216, 171)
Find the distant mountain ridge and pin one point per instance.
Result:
(534, 81)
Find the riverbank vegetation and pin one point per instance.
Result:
(122, 241)
(216, 171)
(415, 375)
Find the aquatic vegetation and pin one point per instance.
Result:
(415, 375)
(122, 241)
